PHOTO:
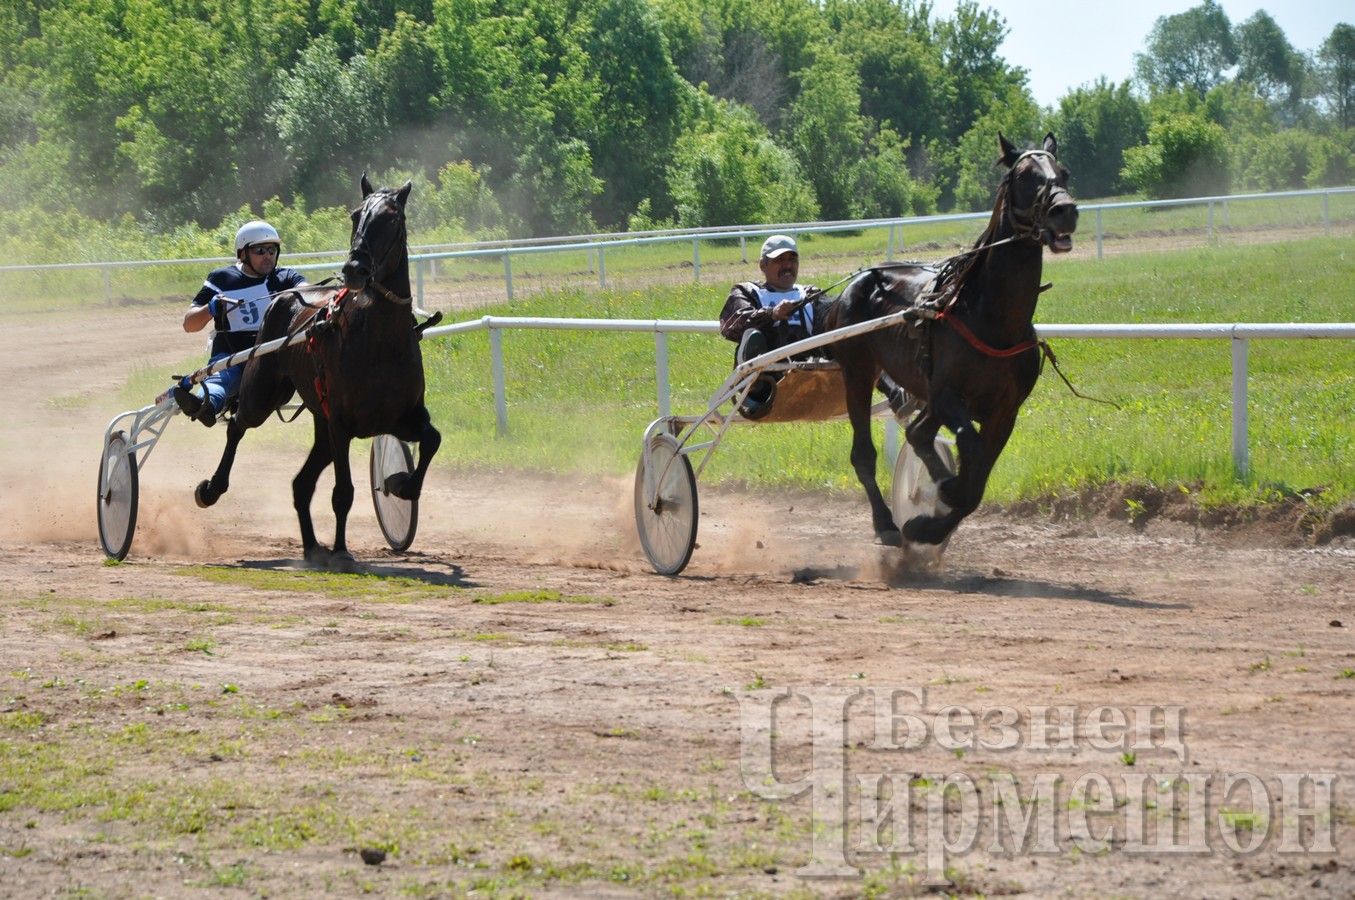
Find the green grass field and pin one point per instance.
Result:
(579, 401)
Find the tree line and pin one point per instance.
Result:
(519, 117)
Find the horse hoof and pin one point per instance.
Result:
(924, 530)
(204, 496)
(890, 537)
(344, 562)
(400, 484)
(317, 557)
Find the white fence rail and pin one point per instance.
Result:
(597, 245)
(1239, 335)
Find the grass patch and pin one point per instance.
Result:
(742, 621)
(368, 587)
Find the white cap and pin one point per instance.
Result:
(778, 244)
(256, 232)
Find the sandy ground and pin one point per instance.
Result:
(614, 746)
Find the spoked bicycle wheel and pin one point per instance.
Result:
(914, 492)
(117, 500)
(667, 525)
(399, 518)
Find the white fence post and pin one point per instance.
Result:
(1099, 233)
(1211, 220)
(743, 248)
(1326, 212)
(889, 251)
(1241, 463)
(602, 268)
(508, 275)
(661, 372)
(496, 365)
(696, 260)
(418, 281)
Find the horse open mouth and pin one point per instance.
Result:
(1058, 243)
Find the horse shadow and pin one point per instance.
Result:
(447, 575)
(1001, 586)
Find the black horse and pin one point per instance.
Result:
(360, 373)
(972, 356)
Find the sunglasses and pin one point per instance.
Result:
(264, 249)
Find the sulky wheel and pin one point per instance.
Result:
(117, 496)
(666, 510)
(914, 492)
(391, 463)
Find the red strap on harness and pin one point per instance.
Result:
(973, 339)
(313, 347)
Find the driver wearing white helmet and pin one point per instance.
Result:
(234, 299)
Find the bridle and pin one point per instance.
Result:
(360, 247)
(1031, 224)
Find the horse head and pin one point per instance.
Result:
(378, 240)
(1038, 205)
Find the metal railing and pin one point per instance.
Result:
(1239, 335)
(597, 245)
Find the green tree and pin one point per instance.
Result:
(1186, 155)
(1267, 61)
(640, 107)
(1278, 162)
(884, 186)
(728, 170)
(328, 117)
(1019, 119)
(1191, 49)
(827, 130)
(1336, 72)
(977, 75)
(1095, 124)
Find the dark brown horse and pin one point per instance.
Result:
(360, 373)
(975, 362)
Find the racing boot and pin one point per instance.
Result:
(195, 407)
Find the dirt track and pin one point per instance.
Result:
(216, 729)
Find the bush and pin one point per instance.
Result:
(1186, 155)
(729, 171)
(1278, 162)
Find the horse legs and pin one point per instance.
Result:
(407, 486)
(208, 492)
(859, 385)
(342, 500)
(303, 489)
(963, 491)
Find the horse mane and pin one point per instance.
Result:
(956, 272)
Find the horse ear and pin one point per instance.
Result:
(366, 186)
(1051, 144)
(403, 194)
(1009, 154)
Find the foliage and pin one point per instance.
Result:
(569, 117)
(731, 172)
(1267, 62)
(1277, 162)
(1190, 49)
(1185, 155)
(1019, 119)
(1337, 73)
(1095, 124)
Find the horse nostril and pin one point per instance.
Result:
(1064, 214)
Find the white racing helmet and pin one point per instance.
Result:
(256, 232)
